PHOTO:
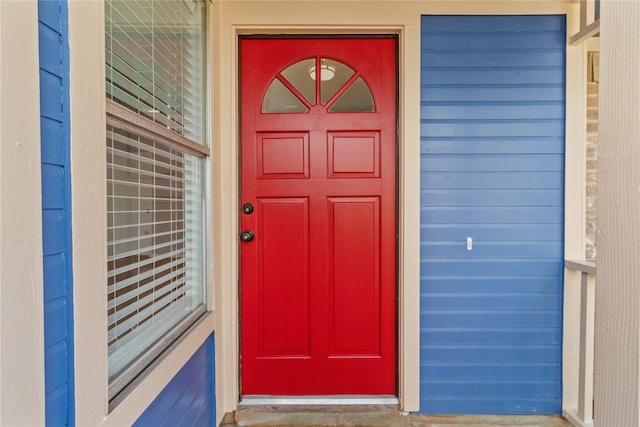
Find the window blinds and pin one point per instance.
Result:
(155, 64)
(155, 185)
(154, 262)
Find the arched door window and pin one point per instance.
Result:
(297, 89)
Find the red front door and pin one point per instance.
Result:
(318, 279)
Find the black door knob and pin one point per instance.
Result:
(247, 208)
(247, 236)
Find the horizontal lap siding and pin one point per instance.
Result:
(492, 168)
(189, 398)
(56, 214)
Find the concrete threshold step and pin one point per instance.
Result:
(373, 416)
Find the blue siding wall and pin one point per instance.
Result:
(492, 168)
(189, 399)
(56, 211)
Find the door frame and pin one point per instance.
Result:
(226, 193)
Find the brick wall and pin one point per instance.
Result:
(592, 153)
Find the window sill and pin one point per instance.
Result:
(135, 403)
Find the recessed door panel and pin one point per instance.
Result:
(354, 155)
(355, 275)
(283, 155)
(283, 268)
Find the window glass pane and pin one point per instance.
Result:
(155, 189)
(279, 99)
(302, 76)
(155, 247)
(155, 67)
(356, 99)
(339, 74)
(298, 75)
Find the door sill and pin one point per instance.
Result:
(263, 400)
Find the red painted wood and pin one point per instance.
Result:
(318, 282)
(354, 276)
(283, 270)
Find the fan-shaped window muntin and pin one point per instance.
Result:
(340, 89)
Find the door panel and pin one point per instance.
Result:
(354, 155)
(318, 281)
(283, 155)
(283, 277)
(355, 294)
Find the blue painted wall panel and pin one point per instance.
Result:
(442, 336)
(189, 399)
(492, 162)
(497, 58)
(480, 93)
(482, 180)
(56, 361)
(56, 215)
(493, 301)
(53, 186)
(56, 328)
(49, 13)
(51, 93)
(494, 145)
(492, 249)
(497, 232)
(489, 285)
(483, 163)
(53, 232)
(491, 267)
(49, 49)
(52, 152)
(447, 216)
(56, 406)
(490, 128)
(481, 320)
(490, 24)
(490, 197)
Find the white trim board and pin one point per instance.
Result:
(22, 385)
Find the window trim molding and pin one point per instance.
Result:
(88, 182)
(122, 385)
(127, 118)
(145, 391)
(88, 174)
(124, 118)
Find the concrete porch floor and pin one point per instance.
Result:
(373, 416)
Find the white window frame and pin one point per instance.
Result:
(88, 157)
(123, 119)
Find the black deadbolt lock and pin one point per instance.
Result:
(247, 208)
(247, 236)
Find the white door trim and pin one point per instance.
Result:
(226, 198)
